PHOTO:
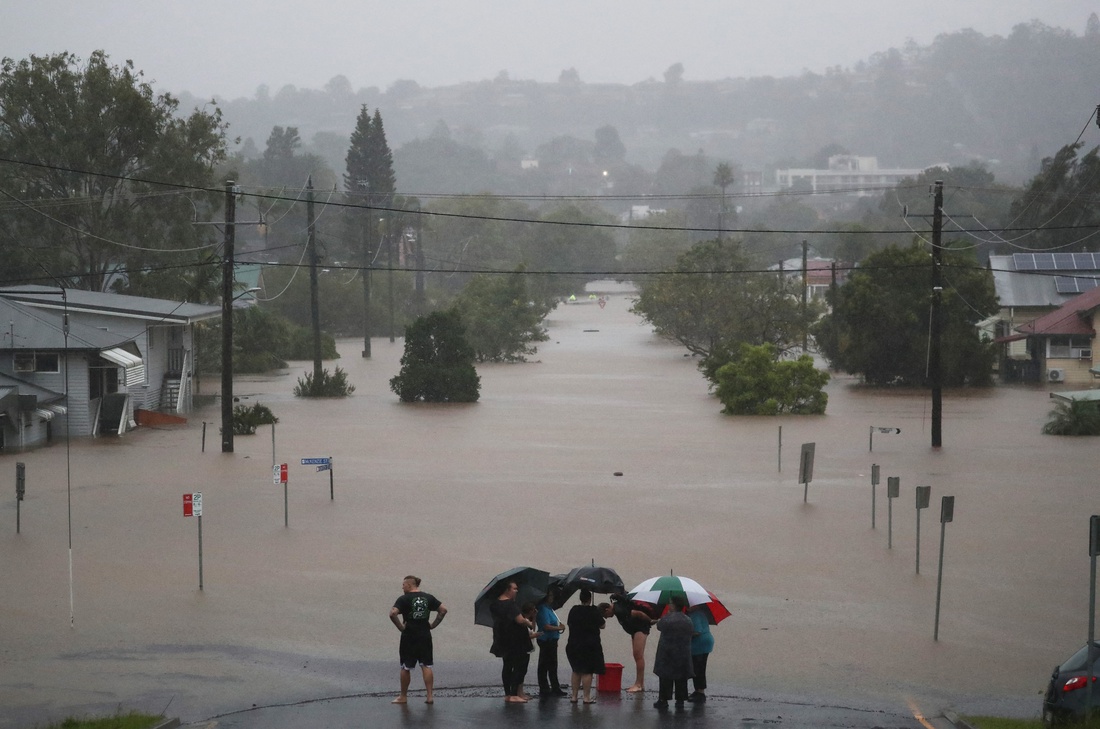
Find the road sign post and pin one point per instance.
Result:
(20, 490)
(924, 493)
(947, 514)
(279, 475)
(324, 463)
(806, 468)
(192, 506)
(871, 435)
(1094, 551)
(874, 484)
(893, 490)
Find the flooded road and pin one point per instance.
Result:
(458, 493)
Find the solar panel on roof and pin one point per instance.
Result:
(1075, 284)
(1064, 262)
(1024, 261)
(1044, 261)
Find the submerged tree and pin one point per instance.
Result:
(755, 383)
(503, 318)
(438, 363)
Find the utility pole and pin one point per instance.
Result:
(935, 327)
(314, 303)
(364, 271)
(419, 262)
(228, 279)
(805, 286)
(389, 260)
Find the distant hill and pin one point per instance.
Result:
(1005, 102)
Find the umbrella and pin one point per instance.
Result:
(659, 590)
(532, 588)
(592, 577)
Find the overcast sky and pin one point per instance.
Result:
(229, 48)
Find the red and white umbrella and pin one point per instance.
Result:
(659, 591)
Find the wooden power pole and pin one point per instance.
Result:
(935, 326)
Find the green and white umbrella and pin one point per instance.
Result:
(659, 591)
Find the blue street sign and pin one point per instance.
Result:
(325, 461)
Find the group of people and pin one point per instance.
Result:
(682, 651)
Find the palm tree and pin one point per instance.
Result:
(1076, 417)
(723, 178)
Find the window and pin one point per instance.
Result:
(37, 362)
(1068, 347)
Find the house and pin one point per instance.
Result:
(846, 173)
(95, 359)
(819, 274)
(1030, 286)
(1060, 344)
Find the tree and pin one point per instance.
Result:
(88, 144)
(879, 324)
(503, 319)
(755, 383)
(369, 180)
(438, 363)
(723, 178)
(712, 302)
(1060, 201)
(1077, 417)
(609, 147)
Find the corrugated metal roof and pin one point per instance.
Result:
(1070, 318)
(139, 307)
(42, 330)
(1016, 289)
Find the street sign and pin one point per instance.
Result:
(278, 473)
(188, 505)
(874, 474)
(894, 431)
(924, 494)
(893, 487)
(806, 463)
(20, 481)
(323, 461)
(1094, 536)
(196, 503)
(947, 509)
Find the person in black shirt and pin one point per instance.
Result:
(411, 614)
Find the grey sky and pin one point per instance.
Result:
(230, 48)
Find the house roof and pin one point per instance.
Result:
(1070, 318)
(30, 328)
(10, 384)
(1034, 286)
(110, 304)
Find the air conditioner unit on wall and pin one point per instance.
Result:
(1086, 354)
(1056, 375)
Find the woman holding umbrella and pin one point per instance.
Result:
(511, 642)
(584, 649)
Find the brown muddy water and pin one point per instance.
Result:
(456, 494)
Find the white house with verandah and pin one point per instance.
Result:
(120, 354)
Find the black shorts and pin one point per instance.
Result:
(415, 648)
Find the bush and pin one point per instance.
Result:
(247, 418)
(334, 385)
(756, 384)
(1077, 417)
(438, 363)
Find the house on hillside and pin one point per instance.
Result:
(116, 356)
(1029, 286)
(1060, 344)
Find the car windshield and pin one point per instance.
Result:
(1077, 661)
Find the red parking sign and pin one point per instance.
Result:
(187, 505)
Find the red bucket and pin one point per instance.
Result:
(611, 680)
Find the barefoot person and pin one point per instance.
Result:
(637, 623)
(411, 615)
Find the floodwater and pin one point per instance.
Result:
(458, 493)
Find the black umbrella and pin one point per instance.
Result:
(592, 577)
(532, 584)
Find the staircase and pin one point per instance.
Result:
(169, 393)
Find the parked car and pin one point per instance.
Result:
(1066, 695)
